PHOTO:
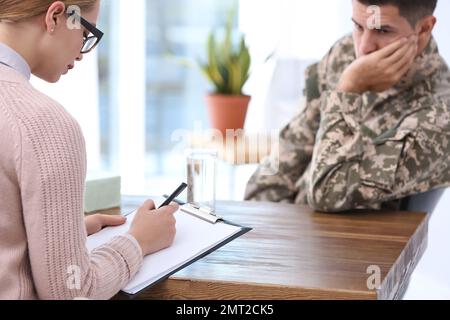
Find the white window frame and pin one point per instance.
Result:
(128, 92)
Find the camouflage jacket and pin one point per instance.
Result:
(347, 151)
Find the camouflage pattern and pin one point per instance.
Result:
(347, 151)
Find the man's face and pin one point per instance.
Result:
(368, 39)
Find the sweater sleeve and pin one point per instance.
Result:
(52, 176)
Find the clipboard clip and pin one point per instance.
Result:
(203, 213)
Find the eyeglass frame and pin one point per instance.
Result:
(96, 33)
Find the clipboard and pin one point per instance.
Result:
(203, 213)
(216, 229)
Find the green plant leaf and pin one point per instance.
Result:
(245, 62)
(213, 69)
(227, 46)
(235, 82)
(228, 67)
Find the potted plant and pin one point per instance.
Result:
(228, 69)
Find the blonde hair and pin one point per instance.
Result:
(17, 10)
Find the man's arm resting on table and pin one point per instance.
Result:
(353, 168)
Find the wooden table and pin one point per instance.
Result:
(295, 253)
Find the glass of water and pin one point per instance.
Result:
(201, 177)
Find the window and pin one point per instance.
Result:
(176, 30)
(146, 91)
(106, 110)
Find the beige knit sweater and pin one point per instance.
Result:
(43, 251)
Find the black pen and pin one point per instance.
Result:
(175, 194)
(179, 202)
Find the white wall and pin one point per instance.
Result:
(442, 30)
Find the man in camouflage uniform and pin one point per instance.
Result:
(376, 125)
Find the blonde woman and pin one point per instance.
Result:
(43, 165)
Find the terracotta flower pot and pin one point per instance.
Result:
(227, 111)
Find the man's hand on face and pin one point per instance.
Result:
(381, 69)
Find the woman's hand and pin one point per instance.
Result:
(154, 229)
(97, 222)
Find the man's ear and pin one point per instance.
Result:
(54, 16)
(424, 29)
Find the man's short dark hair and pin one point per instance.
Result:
(412, 10)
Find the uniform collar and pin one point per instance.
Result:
(12, 59)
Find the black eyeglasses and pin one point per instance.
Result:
(91, 40)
